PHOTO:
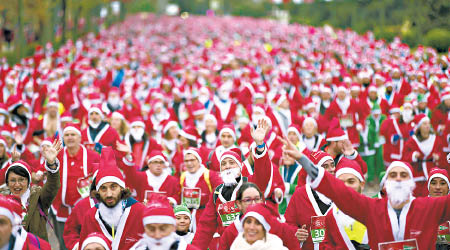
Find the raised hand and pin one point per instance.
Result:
(259, 133)
(290, 149)
(348, 148)
(15, 155)
(52, 152)
(122, 147)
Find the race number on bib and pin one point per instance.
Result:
(228, 212)
(191, 197)
(444, 233)
(346, 121)
(317, 228)
(398, 245)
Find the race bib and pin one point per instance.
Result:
(346, 121)
(191, 197)
(84, 186)
(444, 233)
(398, 245)
(228, 212)
(317, 228)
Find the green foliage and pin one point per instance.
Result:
(439, 39)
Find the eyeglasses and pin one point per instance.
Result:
(157, 162)
(250, 200)
(19, 180)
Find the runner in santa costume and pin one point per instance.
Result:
(96, 241)
(441, 114)
(342, 231)
(310, 135)
(197, 179)
(99, 131)
(13, 235)
(224, 107)
(21, 117)
(72, 228)
(350, 114)
(188, 138)
(153, 178)
(50, 122)
(424, 151)
(184, 221)
(289, 170)
(306, 202)
(159, 221)
(221, 209)
(438, 185)
(140, 142)
(227, 139)
(117, 215)
(249, 194)
(398, 217)
(77, 162)
(372, 98)
(392, 97)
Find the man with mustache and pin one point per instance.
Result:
(117, 215)
(221, 209)
(398, 217)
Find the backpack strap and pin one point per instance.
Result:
(216, 193)
(208, 181)
(182, 178)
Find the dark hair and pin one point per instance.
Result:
(18, 170)
(125, 194)
(245, 186)
(419, 136)
(192, 143)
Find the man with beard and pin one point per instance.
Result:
(117, 215)
(139, 142)
(114, 103)
(397, 217)
(159, 224)
(227, 139)
(99, 133)
(342, 231)
(221, 209)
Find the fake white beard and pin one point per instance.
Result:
(399, 191)
(137, 133)
(115, 102)
(211, 138)
(161, 244)
(94, 125)
(229, 176)
(111, 215)
(407, 116)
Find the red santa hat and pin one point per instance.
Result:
(445, 96)
(167, 124)
(295, 129)
(228, 128)
(190, 133)
(13, 102)
(198, 108)
(402, 164)
(66, 116)
(212, 118)
(372, 88)
(438, 172)
(261, 213)
(319, 157)
(419, 120)
(394, 109)
(233, 155)
(137, 121)
(155, 155)
(6, 208)
(118, 114)
(98, 238)
(335, 132)
(310, 119)
(96, 108)
(108, 170)
(258, 95)
(159, 211)
(72, 127)
(193, 151)
(355, 87)
(21, 164)
(347, 166)
(53, 102)
(46, 142)
(342, 88)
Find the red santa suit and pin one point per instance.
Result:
(141, 149)
(107, 136)
(210, 222)
(72, 227)
(420, 155)
(121, 224)
(225, 112)
(395, 135)
(380, 218)
(204, 179)
(144, 181)
(73, 168)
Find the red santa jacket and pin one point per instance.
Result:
(129, 230)
(380, 218)
(354, 116)
(395, 135)
(224, 112)
(72, 227)
(286, 234)
(107, 136)
(367, 105)
(210, 222)
(143, 181)
(28, 241)
(72, 168)
(301, 207)
(207, 181)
